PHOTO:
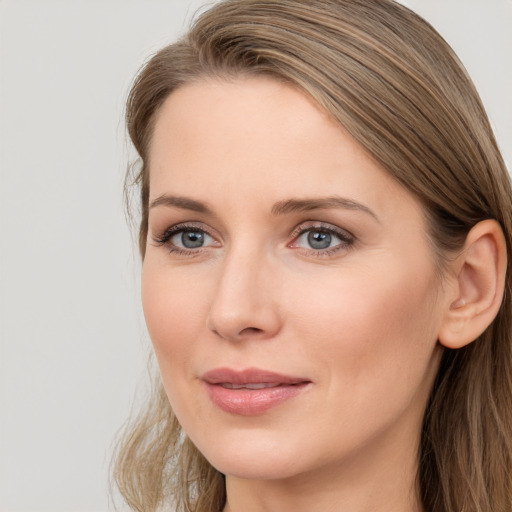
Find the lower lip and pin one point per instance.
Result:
(250, 402)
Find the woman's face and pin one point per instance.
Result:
(288, 286)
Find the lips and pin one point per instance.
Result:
(251, 391)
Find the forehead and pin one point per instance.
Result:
(259, 138)
(257, 112)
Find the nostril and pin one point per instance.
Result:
(246, 333)
(250, 330)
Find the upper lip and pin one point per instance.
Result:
(249, 376)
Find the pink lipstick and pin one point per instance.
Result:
(251, 391)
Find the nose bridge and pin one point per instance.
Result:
(243, 304)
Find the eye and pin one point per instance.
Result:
(318, 239)
(322, 240)
(185, 239)
(191, 239)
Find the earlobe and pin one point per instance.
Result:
(477, 290)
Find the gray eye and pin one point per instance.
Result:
(191, 239)
(319, 239)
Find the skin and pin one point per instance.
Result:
(359, 320)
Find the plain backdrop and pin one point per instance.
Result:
(73, 342)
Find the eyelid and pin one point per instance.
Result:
(325, 226)
(166, 235)
(346, 238)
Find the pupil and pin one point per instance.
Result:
(192, 239)
(319, 240)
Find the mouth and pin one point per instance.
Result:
(252, 391)
(259, 385)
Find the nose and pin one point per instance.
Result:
(244, 304)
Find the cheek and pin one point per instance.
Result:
(371, 325)
(173, 309)
(372, 339)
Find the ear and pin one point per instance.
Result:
(477, 291)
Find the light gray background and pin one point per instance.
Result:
(73, 344)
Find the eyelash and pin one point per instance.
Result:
(346, 239)
(165, 239)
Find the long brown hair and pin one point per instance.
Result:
(392, 82)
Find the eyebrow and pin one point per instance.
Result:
(306, 205)
(279, 208)
(184, 203)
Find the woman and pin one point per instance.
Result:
(325, 226)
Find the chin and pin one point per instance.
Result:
(258, 467)
(249, 459)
